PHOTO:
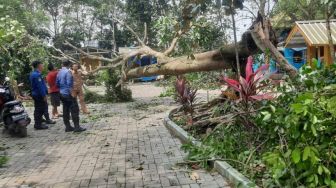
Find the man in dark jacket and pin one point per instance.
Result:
(39, 94)
(64, 81)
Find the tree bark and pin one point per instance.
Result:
(265, 44)
(223, 58)
(235, 42)
(330, 41)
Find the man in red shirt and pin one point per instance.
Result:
(53, 90)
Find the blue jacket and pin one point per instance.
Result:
(38, 85)
(64, 81)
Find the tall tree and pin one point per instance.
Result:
(28, 13)
(54, 8)
(286, 12)
(330, 10)
(230, 7)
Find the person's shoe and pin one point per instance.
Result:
(79, 129)
(50, 122)
(69, 129)
(41, 127)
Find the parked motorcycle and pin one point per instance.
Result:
(13, 114)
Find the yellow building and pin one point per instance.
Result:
(313, 35)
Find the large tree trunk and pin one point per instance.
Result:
(223, 58)
(208, 61)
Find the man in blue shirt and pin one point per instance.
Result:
(64, 81)
(39, 94)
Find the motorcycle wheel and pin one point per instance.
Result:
(23, 132)
(7, 122)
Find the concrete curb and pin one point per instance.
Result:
(226, 170)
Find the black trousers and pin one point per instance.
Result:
(41, 108)
(70, 105)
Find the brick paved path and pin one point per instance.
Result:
(126, 146)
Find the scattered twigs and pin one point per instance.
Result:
(254, 150)
(187, 162)
(222, 119)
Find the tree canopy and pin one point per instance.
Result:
(164, 28)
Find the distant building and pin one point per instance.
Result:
(308, 40)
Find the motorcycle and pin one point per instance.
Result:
(13, 114)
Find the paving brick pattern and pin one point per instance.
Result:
(126, 146)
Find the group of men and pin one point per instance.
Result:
(64, 85)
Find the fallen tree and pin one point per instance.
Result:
(259, 37)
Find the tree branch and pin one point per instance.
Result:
(145, 40)
(104, 67)
(63, 55)
(177, 36)
(173, 43)
(265, 44)
(131, 30)
(115, 60)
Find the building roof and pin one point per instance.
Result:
(312, 33)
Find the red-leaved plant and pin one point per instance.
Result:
(186, 96)
(249, 86)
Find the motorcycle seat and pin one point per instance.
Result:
(11, 103)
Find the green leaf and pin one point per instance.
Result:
(333, 184)
(313, 130)
(296, 155)
(310, 179)
(267, 117)
(315, 120)
(326, 170)
(331, 106)
(305, 126)
(320, 170)
(316, 179)
(297, 107)
(306, 153)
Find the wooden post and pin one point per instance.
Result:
(327, 55)
(308, 55)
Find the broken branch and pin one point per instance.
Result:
(115, 60)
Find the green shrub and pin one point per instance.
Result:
(168, 92)
(294, 140)
(114, 93)
(93, 97)
(3, 160)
